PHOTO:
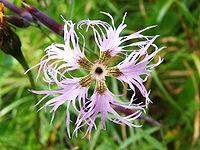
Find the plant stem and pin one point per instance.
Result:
(20, 58)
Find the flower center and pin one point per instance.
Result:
(98, 70)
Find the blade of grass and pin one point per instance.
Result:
(136, 137)
(186, 12)
(152, 141)
(14, 105)
(196, 60)
(167, 95)
(45, 3)
(71, 9)
(162, 137)
(95, 137)
(164, 10)
(197, 99)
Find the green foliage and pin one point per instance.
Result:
(174, 85)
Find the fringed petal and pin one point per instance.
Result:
(71, 90)
(102, 104)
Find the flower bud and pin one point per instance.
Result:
(17, 21)
(44, 19)
(9, 41)
(18, 11)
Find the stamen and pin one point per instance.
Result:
(86, 81)
(114, 72)
(84, 63)
(104, 57)
(101, 86)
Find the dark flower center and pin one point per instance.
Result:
(98, 70)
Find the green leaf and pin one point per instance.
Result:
(12, 106)
(152, 141)
(186, 12)
(164, 10)
(136, 137)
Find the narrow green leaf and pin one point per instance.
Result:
(10, 107)
(196, 60)
(164, 10)
(186, 12)
(95, 137)
(167, 95)
(136, 137)
(152, 141)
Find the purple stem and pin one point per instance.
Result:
(129, 112)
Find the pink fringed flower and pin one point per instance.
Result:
(62, 58)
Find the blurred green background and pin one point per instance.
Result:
(174, 84)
